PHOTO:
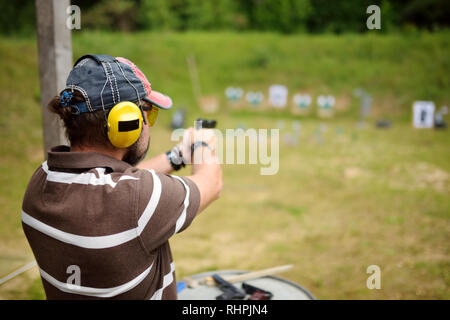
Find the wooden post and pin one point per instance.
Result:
(55, 63)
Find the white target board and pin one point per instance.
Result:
(254, 98)
(423, 114)
(302, 101)
(278, 95)
(234, 94)
(325, 102)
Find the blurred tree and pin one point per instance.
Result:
(156, 15)
(388, 20)
(430, 14)
(200, 14)
(225, 12)
(111, 15)
(17, 17)
(281, 15)
(179, 8)
(300, 11)
(207, 15)
(339, 16)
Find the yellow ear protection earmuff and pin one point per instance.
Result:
(125, 123)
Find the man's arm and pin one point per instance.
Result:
(206, 170)
(159, 163)
(208, 178)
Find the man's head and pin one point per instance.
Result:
(95, 85)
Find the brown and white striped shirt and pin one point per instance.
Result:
(113, 221)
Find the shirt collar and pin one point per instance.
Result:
(62, 157)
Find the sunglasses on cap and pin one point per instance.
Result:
(152, 114)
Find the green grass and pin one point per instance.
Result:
(360, 197)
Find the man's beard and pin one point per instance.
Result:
(133, 155)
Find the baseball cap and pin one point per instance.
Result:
(104, 81)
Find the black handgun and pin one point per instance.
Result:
(205, 123)
(256, 293)
(230, 292)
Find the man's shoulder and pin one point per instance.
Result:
(79, 201)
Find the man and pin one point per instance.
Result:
(99, 226)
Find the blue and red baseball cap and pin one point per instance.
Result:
(104, 81)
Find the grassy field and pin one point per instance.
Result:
(340, 202)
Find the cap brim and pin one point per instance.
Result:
(159, 100)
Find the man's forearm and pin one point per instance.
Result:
(159, 163)
(207, 175)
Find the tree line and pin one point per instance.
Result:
(285, 16)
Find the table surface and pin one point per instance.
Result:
(281, 289)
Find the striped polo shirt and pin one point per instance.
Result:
(99, 228)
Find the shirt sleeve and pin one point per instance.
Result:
(166, 205)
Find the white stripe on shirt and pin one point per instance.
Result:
(167, 280)
(83, 178)
(100, 242)
(152, 203)
(182, 218)
(89, 242)
(95, 292)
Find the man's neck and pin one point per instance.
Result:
(114, 153)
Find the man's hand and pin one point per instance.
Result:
(192, 135)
